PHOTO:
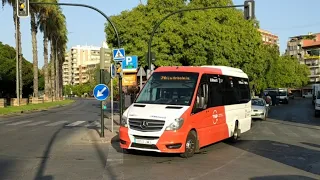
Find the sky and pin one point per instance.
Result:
(284, 18)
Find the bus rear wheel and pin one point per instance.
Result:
(236, 134)
(190, 146)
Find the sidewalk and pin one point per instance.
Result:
(91, 134)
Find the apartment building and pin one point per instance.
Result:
(307, 49)
(268, 37)
(80, 62)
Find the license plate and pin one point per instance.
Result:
(143, 141)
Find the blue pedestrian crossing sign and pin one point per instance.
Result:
(119, 54)
(101, 92)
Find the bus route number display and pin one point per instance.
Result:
(175, 78)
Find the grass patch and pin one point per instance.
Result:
(32, 107)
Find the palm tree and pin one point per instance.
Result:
(34, 10)
(58, 42)
(46, 25)
(18, 46)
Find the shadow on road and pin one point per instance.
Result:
(283, 177)
(103, 161)
(311, 144)
(5, 166)
(295, 156)
(45, 157)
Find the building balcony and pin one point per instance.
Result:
(310, 57)
(314, 75)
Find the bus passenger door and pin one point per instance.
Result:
(216, 108)
(200, 114)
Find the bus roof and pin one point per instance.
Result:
(220, 70)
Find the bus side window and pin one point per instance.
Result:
(202, 97)
(215, 91)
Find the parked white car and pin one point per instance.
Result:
(260, 109)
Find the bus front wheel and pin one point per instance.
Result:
(191, 145)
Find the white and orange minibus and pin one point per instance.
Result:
(183, 108)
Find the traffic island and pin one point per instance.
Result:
(11, 110)
(92, 136)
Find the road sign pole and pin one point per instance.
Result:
(102, 64)
(102, 112)
(140, 79)
(111, 105)
(121, 95)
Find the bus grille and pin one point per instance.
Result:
(146, 125)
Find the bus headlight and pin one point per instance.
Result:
(124, 121)
(177, 124)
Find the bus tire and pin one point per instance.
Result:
(190, 145)
(236, 134)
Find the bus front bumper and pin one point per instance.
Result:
(168, 142)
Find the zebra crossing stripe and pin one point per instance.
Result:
(309, 132)
(76, 123)
(93, 124)
(18, 123)
(57, 123)
(4, 121)
(37, 123)
(286, 131)
(266, 130)
(114, 158)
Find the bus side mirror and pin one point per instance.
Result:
(200, 105)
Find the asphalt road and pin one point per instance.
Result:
(286, 146)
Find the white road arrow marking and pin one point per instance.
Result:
(100, 93)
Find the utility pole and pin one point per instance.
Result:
(17, 62)
(102, 66)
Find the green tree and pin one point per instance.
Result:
(8, 73)
(210, 37)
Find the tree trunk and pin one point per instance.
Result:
(46, 68)
(35, 54)
(61, 79)
(57, 78)
(52, 61)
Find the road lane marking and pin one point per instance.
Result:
(37, 123)
(277, 144)
(18, 123)
(75, 123)
(93, 124)
(57, 123)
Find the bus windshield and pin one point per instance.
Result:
(171, 88)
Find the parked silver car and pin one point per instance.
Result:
(260, 109)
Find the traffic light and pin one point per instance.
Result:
(119, 68)
(22, 8)
(249, 13)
